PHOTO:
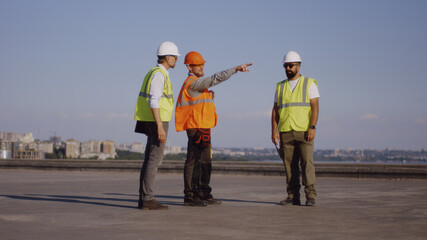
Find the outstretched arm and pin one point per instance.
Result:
(203, 83)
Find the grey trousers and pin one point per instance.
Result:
(298, 151)
(153, 158)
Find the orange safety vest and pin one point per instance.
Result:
(193, 112)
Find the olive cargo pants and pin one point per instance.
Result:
(298, 151)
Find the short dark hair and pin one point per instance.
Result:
(161, 59)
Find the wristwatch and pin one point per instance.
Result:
(313, 126)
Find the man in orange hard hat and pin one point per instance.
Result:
(195, 113)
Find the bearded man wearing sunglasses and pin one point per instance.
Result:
(195, 113)
(293, 124)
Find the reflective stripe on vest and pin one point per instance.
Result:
(304, 102)
(294, 108)
(143, 110)
(146, 93)
(194, 112)
(181, 99)
(142, 94)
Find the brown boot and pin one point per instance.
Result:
(294, 200)
(310, 201)
(153, 205)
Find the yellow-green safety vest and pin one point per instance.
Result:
(294, 107)
(143, 110)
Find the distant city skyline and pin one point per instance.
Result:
(24, 146)
(140, 145)
(75, 68)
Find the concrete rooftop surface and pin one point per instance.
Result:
(102, 205)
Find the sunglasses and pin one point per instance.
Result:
(290, 65)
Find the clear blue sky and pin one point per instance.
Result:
(75, 68)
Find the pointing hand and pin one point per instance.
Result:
(243, 67)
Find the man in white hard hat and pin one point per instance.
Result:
(293, 123)
(152, 114)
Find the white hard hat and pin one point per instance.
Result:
(167, 48)
(291, 56)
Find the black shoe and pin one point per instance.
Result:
(213, 201)
(140, 203)
(289, 200)
(310, 202)
(195, 203)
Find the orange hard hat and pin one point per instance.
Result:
(194, 58)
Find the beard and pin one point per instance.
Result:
(290, 74)
(199, 74)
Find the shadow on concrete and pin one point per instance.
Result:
(72, 199)
(100, 201)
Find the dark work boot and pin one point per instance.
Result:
(195, 202)
(152, 205)
(213, 201)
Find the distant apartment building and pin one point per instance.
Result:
(5, 154)
(7, 149)
(44, 146)
(90, 149)
(109, 148)
(19, 146)
(28, 154)
(123, 146)
(9, 136)
(72, 148)
(25, 138)
(23, 146)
